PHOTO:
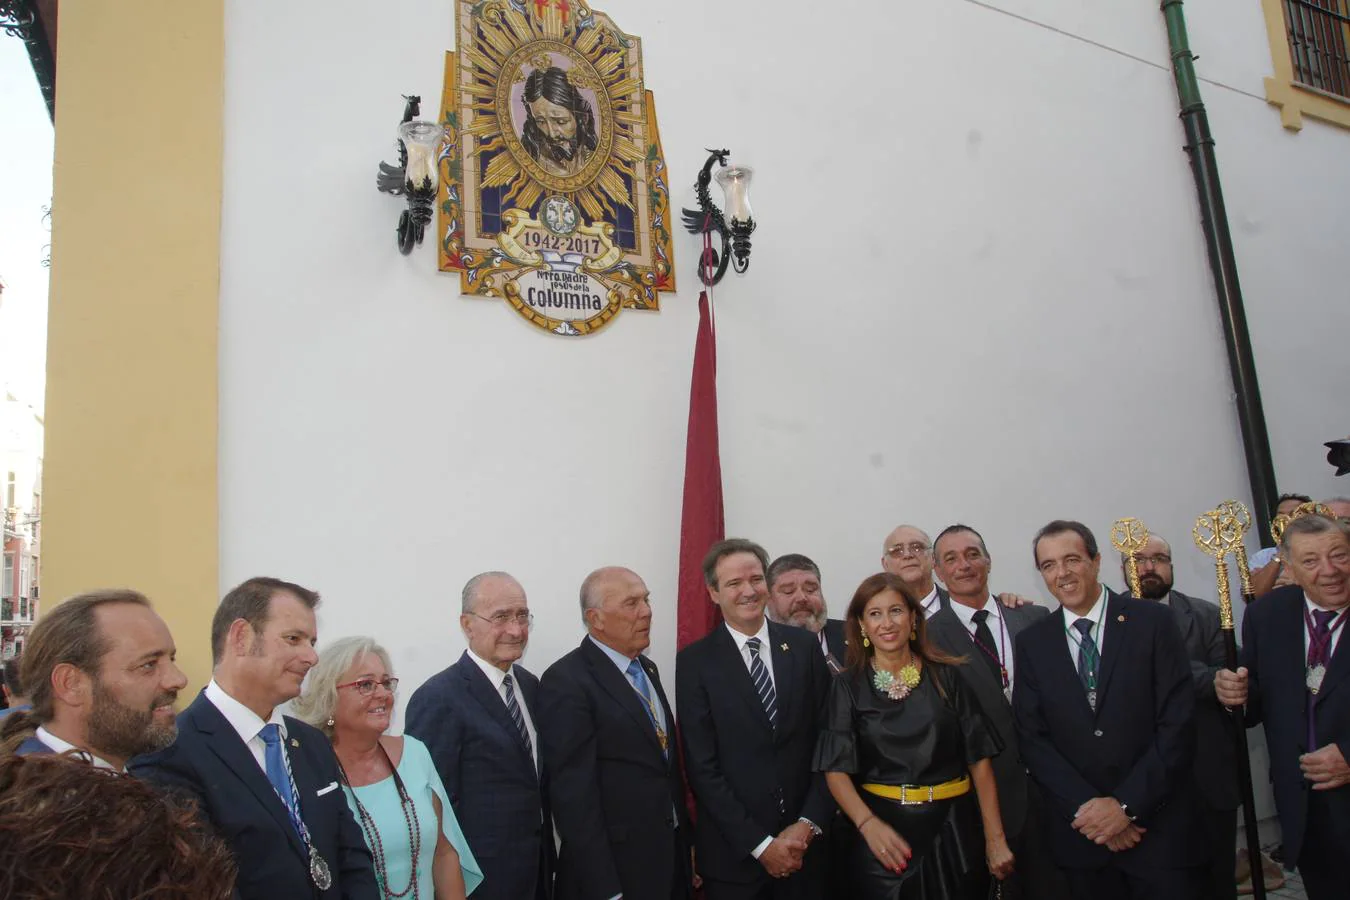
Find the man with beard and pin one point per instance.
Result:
(269, 783)
(559, 130)
(795, 598)
(1215, 749)
(101, 679)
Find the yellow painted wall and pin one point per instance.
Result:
(130, 462)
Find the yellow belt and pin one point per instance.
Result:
(909, 794)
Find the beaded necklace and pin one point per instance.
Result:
(372, 834)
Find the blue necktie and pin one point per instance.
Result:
(759, 673)
(276, 768)
(644, 688)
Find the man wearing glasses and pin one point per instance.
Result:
(1216, 776)
(478, 720)
(907, 553)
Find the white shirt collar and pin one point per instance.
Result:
(931, 603)
(494, 674)
(1095, 613)
(242, 719)
(740, 639)
(967, 615)
(1313, 607)
(60, 746)
(1166, 599)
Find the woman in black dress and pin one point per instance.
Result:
(903, 742)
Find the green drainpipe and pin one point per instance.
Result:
(1223, 265)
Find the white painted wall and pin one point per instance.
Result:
(978, 294)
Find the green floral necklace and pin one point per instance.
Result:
(893, 687)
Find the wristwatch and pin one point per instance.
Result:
(1126, 810)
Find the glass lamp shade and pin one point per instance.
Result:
(422, 140)
(735, 182)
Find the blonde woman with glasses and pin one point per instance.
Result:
(389, 780)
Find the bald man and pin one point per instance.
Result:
(615, 781)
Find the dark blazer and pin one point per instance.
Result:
(210, 764)
(617, 800)
(491, 780)
(1273, 652)
(1216, 770)
(1138, 746)
(946, 630)
(835, 640)
(751, 780)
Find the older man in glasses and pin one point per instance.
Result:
(478, 719)
(907, 553)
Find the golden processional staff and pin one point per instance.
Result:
(1219, 532)
(1129, 535)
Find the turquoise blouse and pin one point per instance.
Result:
(382, 804)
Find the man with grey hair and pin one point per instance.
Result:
(796, 598)
(1295, 679)
(478, 718)
(615, 780)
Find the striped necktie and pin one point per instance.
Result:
(759, 673)
(513, 707)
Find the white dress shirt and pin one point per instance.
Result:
(765, 654)
(932, 603)
(1096, 615)
(766, 657)
(246, 723)
(1002, 648)
(621, 661)
(497, 678)
(1336, 625)
(60, 746)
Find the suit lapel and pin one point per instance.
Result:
(1060, 658)
(226, 744)
(482, 691)
(617, 685)
(947, 626)
(737, 675)
(1184, 613)
(784, 664)
(1118, 624)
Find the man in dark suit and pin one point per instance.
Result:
(1216, 772)
(795, 598)
(102, 681)
(1105, 714)
(478, 720)
(615, 781)
(267, 782)
(977, 627)
(750, 697)
(1295, 678)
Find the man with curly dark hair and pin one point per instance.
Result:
(70, 829)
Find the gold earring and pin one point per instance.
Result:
(914, 635)
(866, 642)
